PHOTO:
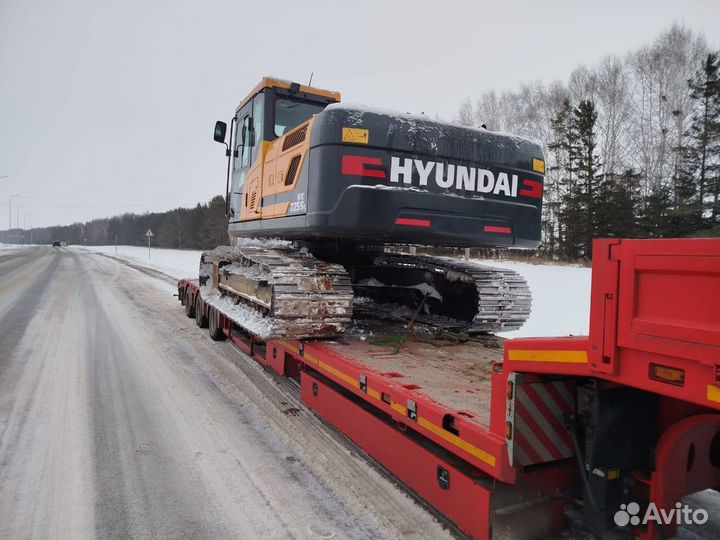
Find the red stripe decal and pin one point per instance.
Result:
(413, 222)
(532, 188)
(558, 397)
(528, 448)
(537, 430)
(356, 166)
(554, 421)
(498, 230)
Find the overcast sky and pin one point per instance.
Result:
(108, 106)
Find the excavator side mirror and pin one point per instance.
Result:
(220, 129)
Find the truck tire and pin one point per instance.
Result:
(200, 316)
(189, 305)
(216, 333)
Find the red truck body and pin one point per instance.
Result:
(504, 441)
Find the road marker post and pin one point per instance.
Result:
(149, 235)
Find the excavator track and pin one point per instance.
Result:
(457, 294)
(278, 291)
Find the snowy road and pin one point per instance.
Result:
(119, 418)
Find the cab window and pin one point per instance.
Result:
(245, 139)
(289, 114)
(241, 164)
(257, 124)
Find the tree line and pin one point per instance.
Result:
(632, 145)
(202, 227)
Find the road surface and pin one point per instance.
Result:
(119, 418)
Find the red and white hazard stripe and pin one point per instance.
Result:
(536, 431)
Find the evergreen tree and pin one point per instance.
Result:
(617, 201)
(587, 221)
(687, 209)
(216, 223)
(655, 214)
(703, 151)
(564, 149)
(574, 146)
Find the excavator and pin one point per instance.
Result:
(324, 198)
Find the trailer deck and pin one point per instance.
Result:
(456, 376)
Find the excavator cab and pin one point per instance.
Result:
(270, 122)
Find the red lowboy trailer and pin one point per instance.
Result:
(549, 432)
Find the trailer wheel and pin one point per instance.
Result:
(200, 318)
(189, 306)
(216, 333)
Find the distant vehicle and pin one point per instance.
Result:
(63, 243)
(56, 244)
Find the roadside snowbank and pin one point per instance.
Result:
(174, 262)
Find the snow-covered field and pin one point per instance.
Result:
(561, 294)
(174, 262)
(561, 299)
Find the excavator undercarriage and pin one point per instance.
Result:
(296, 294)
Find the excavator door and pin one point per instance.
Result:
(246, 190)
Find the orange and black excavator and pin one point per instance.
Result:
(320, 194)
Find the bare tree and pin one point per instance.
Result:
(661, 104)
(613, 107)
(466, 115)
